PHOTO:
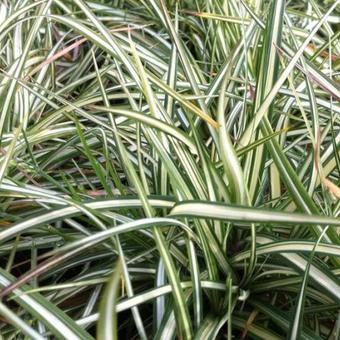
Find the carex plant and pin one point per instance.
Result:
(169, 169)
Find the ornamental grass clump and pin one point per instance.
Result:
(169, 169)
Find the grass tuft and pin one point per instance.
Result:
(169, 169)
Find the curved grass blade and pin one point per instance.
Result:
(107, 327)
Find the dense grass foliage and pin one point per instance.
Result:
(169, 169)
